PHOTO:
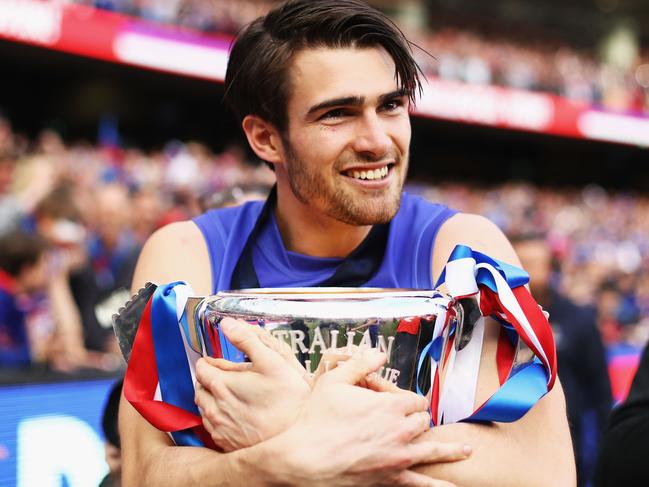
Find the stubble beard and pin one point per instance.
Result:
(341, 203)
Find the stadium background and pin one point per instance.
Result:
(536, 115)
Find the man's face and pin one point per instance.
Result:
(346, 146)
(536, 259)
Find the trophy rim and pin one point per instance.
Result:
(327, 293)
(328, 304)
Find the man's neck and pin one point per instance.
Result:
(314, 234)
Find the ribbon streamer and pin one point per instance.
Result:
(159, 380)
(500, 291)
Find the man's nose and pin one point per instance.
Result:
(372, 138)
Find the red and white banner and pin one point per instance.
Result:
(109, 36)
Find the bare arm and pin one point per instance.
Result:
(535, 450)
(149, 457)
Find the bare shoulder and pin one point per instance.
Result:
(175, 252)
(477, 232)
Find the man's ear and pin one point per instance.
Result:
(263, 138)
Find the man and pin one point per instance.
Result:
(112, 448)
(622, 456)
(323, 90)
(22, 271)
(580, 354)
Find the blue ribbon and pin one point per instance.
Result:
(516, 396)
(515, 276)
(174, 375)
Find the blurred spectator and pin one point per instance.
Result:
(147, 212)
(622, 457)
(10, 208)
(234, 196)
(608, 305)
(22, 273)
(580, 354)
(112, 444)
(102, 285)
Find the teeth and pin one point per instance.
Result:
(370, 175)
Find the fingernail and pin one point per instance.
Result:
(467, 450)
(226, 325)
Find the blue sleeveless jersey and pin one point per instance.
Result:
(406, 263)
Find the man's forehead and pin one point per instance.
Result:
(319, 74)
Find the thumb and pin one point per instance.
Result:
(242, 335)
(359, 366)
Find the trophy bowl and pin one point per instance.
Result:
(320, 322)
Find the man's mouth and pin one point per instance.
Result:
(369, 174)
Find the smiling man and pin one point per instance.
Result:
(323, 90)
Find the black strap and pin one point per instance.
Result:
(357, 269)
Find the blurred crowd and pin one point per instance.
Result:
(73, 219)
(215, 16)
(535, 65)
(598, 241)
(454, 54)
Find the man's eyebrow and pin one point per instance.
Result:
(354, 101)
(392, 95)
(337, 102)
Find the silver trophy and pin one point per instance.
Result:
(316, 322)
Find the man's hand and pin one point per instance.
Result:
(350, 435)
(243, 404)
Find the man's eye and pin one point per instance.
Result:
(333, 114)
(392, 105)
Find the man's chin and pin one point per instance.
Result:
(376, 215)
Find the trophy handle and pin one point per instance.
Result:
(468, 314)
(127, 320)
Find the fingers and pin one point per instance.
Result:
(227, 365)
(204, 372)
(243, 336)
(417, 423)
(433, 451)
(413, 479)
(411, 402)
(359, 366)
(379, 384)
(329, 361)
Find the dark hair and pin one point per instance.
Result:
(257, 78)
(109, 420)
(19, 250)
(59, 204)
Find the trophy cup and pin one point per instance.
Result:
(314, 321)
